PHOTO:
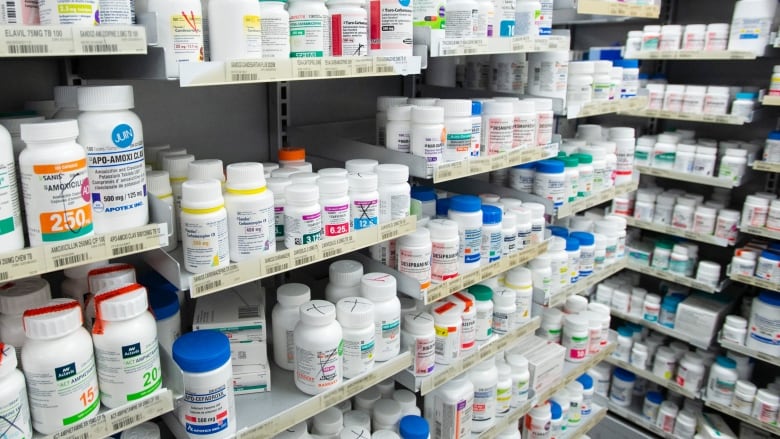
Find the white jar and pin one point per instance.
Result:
(484, 378)
(19, 296)
(708, 273)
(694, 37)
(277, 187)
(726, 225)
(356, 316)
(349, 28)
(717, 36)
(51, 147)
(773, 216)
(458, 125)
(651, 34)
(468, 325)
(667, 413)
(509, 234)
(181, 37)
(328, 423)
(504, 309)
(673, 98)
(394, 192)
(497, 127)
(418, 335)
(274, 29)
(12, 236)
(690, 372)
(448, 324)
(579, 89)
(519, 280)
(545, 120)
(716, 101)
(449, 408)
(575, 337)
(634, 41)
(56, 344)
(764, 323)
(413, 253)
(364, 199)
(380, 289)
(302, 215)
(693, 100)
(625, 342)
(204, 226)
(492, 236)
(671, 35)
(766, 406)
(445, 242)
(639, 355)
(484, 311)
(386, 416)
(250, 210)
(722, 381)
(656, 94)
(704, 220)
(744, 396)
(682, 215)
(733, 165)
(651, 307)
(428, 136)
(335, 215)
(383, 105)
(234, 30)
(651, 405)
(550, 181)
(620, 392)
(158, 184)
(318, 358)
(465, 210)
(664, 155)
(743, 106)
(755, 211)
(309, 29)
(576, 390)
(398, 131)
(284, 317)
(15, 409)
(664, 363)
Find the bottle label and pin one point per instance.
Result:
(457, 146)
(492, 244)
(67, 393)
(187, 31)
(302, 230)
(318, 370)
(509, 245)
(444, 261)
(503, 400)
(447, 343)
(279, 221)
(205, 243)
(453, 420)
(207, 410)
(250, 231)
(335, 219)
(365, 213)
(128, 373)
(275, 37)
(116, 12)
(309, 35)
(58, 197)
(484, 324)
(69, 12)
(424, 349)
(520, 391)
(15, 416)
(394, 207)
(388, 337)
(389, 25)
(470, 243)
(253, 35)
(502, 322)
(10, 215)
(499, 134)
(416, 264)
(484, 403)
(358, 355)
(349, 34)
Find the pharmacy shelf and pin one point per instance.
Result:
(634, 414)
(758, 355)
(62, 40)
(330, 138)
(264, 415)
(671, 332)
(692, 55)
(441, 46)
(754, 281)
(769, 428)
(584, 284)
(251, 71)
(440, 92)
(622, 9)
(687, 177)
(171, 266)
(650, 376)
(411, 287)
(112, 421)
(760, 231)
(674, 231)
(597, 414)
(597, 108)
(581, 204)
(771, 101)
(723, 119)
(33, 261)
(666, 275)
(760, 165)
(441, 373)
(571, 371)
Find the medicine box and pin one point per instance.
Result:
(712, 426)
(545, 361)
(700, 316)
(251, 379)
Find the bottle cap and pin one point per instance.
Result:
(49, 130)
(245, 176)
(110, 277)
(431, 115)
(354, 166)
(378, 286)
(105, 98)
(206, 169)
(345, 273)
(401, 112)
(293, 294)
(164, 303)
(18, 296)
(332, 172)
(386, 412)
(177, 165)
(318, 312)
(363, 182)
(392, 173)
(304, 194)
(158, 183)
(418, 322)
(354, 312)
(455, 107)
(57, 318)
(201, 194)
(289, 154)
(491, 215)
(465, 203)
(120, 304)
(201, 351)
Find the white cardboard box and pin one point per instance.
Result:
(251, 379)
(545, 361)
(712, 426)
(701, 316)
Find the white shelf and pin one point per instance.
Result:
(723, 119)
(441, 46)
(769, 428)
(760, 165)
(760, 231)
(63, 40)
(597, 414)
(581, 204)
(603, 7)
(170, 265)
(650, 376)
(571, 371)
(758, 355)
(411, 287)
(586, 283)
(666, 275)
(111, 421)
(250, 71)
(634, 414)
(674, 231)
(771, 101)
(754, 281)
(688, 178)
(441, 373)
(596, 108)
(693, 55)
(671, 332)
(53, 257)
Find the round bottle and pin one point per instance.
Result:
(445, 245)
(484, 378)
(537, 422)
(177, 165)
(284, 319)
(274, 29)
(620, 391)
(504, 309)
(492, 237)
(447, 324)
(14, 408)
(722, 381)
(16, 298)
(575, 337)
(277, 187)
(380, 288)
(399, 128)
(364, 200)
(428, 135)
(250, 212)
(318, 349)
(302, 215)
(309, 29)
(457, 113)
(449, 408)
(158, 184)
(356, 316)
(335, 206)
(521, 379)
(165, 307)
(418, 336)
(204, 226)
(484, 311)
(394, 192)
(465, 210)
(12, 234)
(343, 280)
(468, 327)
(234, 30)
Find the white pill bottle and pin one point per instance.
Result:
(356, 316)
(275, 29)
(380, 288)
(204, 226)
(250, 211)
(318, 348)
(11, 232)
(14, 408)
(114, 140)
(179, 32)
(234, 29)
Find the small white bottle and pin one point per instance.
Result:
(504, 309)
(55, 12)
(125, 329)
(309, 29)
(348, 28)
(364, 200)
(57, 347)
(445, 244)
(302, 215)
(484, 377)
(14, 408)
(277, 187)
(177, 166)
(380, 288)
(457, 124)
(234, 30)
(466, 211)
(463, 18)
(398, 131)
(428, 135)
(343, 280)
(318, 353)
(158, 184)
(250, 212)
(204, 226)
(394, 192)
(11, 234)
(284, 318)
(413, 252)
(448, 324)
(335, 206)
(274, 29)
(450, 408)
(356, 316)
(418, 336)
(722, 381)
(17, 297)
(520, 280)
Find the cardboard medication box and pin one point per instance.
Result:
(701, 316)
(545, 361)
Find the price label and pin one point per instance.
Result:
(307, 68)
(498, 161)
(108, 40)
(93, 427)
(72, 253)
(333, 397)
(514, 157)
(391, 65)
(123, 418)
(138, 240)
(362, 66)
(306, 254)
(491, 270)
(258, 70)
(471, 278)
(276, 263)
(479, 165)
(258, 431)
(37, 40)
(522, 44)
(436, 292)
(335, 246)
(225, 277)
(471, 360)
(450, 48)
(450, 171)
(514, 258)
(337, 67)
(22, 263)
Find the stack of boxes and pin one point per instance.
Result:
(545, 361)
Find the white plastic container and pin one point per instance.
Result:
(575, 337)
(274, 29)
(389, 28)
(484, 377)
(428, 135)
(457, 121)
(124, 329)
(14, 410)
(235, 30)
(734, 329)
(764, 323)
(671, 36)
(383, 104)
(445, 244)
(418, 336)
(465, 210)
(504, 309)
(204, 360)
(57, 346)
(733, 164)
(180, 32)
(380, 288)
(750, 25)
(284, 318)
(356, 316)
(667, 413)
(413, 253)
(318, 349)
(335, 205)
(717, 37)
(349, 28)
(12, 234)
(537, 422)
(468, 321)
(744, 397)
(309, 29)
(19, 296)
(398, 130)
(302, 215)
(448, 324)
(497, 127)
(622, 386)
(204, 226)
(277, 187)
(56, 12)
(690, 372)
(394, 192)
(694, 37)
(449, 408)
(250, 210)
(722, 381)
(766, 406)
(492, 236)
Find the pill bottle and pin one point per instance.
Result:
(552, 325)
(445, 245)
(394, 192)
(726, 225)
(234, 30)
(651, 35)
(408, 402)
(733, 164)
(165, 308)
(492, 238)
(274, 29)
(449, 408)
(690, 372)
(651, 405)
(755, 211)
(16, 298)
(497, 127)
(520, 378)
(509, 234)
(549, 181)
(476, 121)
(520, 280)
(503, 389)
(717, 36)
(56, 13)
(277, 187)
(624, 344)
(504, 309)
(57, 344)
(468, 326)
(380, 288)
(418, 336)
(767, 266)
(708, 273)
(664, 363)
(639, 355)
(414, 256)
(204, 226)
(383, 104)
(693, 99)
(14, 410)
(575, 337)
(158, 184)
(318, 348)
(365, 400)
(484, 311)
(537, 422)
(125, 328)
(250, 210)
(356, 316)
(457, 121)
(465, 210)
(12, 234)
(335, 205)
(428, 137)
(667, 413)
(704, 220)
(576, 391)
(13, 124)
(620, 391)
(722, 381)
(763, 323)
(54, 214)
(284, 318)
(399, 128)
(734, 329)
(484, 378)
(302, 215)
(309, 29)
(177, 166)
(448, 325)
(652, 307)
(343, 280)
(744, 397)
(386, 416)
(349, 28)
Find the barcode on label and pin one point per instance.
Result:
(4, 275)
(126, 249)
(123, 424)
(208, 286)
(303, 260)
(21, 49)
(359, 70)
(470, 50)
(335, 73)
(244, 77)
(99, 48)
(273, 269)
(75, 259)
(388, 235)
(307, 73)
(384, 69)
(248, 312)
(330, 253)
(10, 11)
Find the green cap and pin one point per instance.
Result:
(561, 154)
(481, 292)
(662, 243)
(570, 162)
